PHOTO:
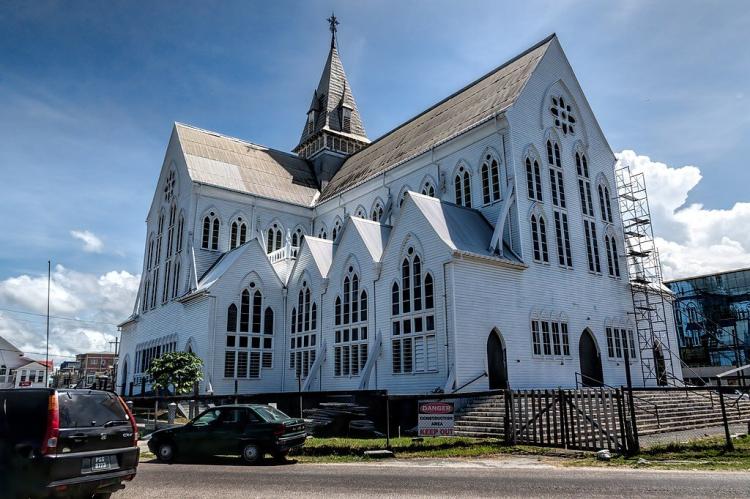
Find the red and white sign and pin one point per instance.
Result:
(435, 418)
(24, 383)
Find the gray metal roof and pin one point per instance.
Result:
(322, 253)
(222, 161)
(470, 106)
(374, 235)
(461, 229)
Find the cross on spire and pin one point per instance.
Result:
(333, 22)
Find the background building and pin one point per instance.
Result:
(712, 313)
(94, 365)
(68, 374)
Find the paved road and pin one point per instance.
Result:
(513, 477)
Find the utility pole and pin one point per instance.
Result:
(46, 354)
(115, 364)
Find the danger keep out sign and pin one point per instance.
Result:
(435, 419)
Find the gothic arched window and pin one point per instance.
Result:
(533, 179)
(169, 186)
(413, 336)
(304, 324)
(613, 264)
(351, 331)
(557, 186)
(462, 185)
(211, 226)
(250, 349)
(490, 173)
(232, 318)
(428, 189)
(297, 237)
(605, 206)
(539, 239)
(274, 237)
(238, 233)
(377, 211)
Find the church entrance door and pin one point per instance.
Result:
(497, 369)
(591, 360)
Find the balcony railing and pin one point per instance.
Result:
(285, 253)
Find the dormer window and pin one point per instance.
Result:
(311, 121)
(346, 119)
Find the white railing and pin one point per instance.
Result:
(285, 253)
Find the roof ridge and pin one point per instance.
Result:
(465, 87)
(236, 139)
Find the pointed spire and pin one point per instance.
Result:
(333, 111)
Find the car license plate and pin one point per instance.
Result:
(100, 463)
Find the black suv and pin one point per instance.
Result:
(79, 443)
(248, 430)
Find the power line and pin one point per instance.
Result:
(106, 335)
(56, 317)
(39, 353)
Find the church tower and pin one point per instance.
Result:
(333, 129)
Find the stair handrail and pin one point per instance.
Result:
(743, 392)
(656, 406)
(482, 374)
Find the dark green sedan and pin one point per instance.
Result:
(248, 430)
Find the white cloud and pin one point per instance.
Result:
(91, 243)
(691, 239)
(98, 301)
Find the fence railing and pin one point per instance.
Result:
(586, 419)
(652, 409)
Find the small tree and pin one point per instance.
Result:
(179, 369)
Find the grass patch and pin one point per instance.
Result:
(701, 454)
(352, 449)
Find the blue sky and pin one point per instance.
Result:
(89, 91)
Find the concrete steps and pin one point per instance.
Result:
(680, 411)
(485, 417)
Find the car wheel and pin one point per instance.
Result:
(251, 454)
(165, 452)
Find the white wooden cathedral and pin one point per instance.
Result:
(478, 245)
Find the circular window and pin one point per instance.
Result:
(351, 269)
(410, 251)
(563, 115)
(252, 284)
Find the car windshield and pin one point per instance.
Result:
(270, 413)
(206, 418)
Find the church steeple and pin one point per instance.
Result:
(333, 129)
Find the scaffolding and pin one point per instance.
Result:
(650, 307)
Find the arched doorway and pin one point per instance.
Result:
(591, 360)
(124, 382)
(497, 368)
(660, 366)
